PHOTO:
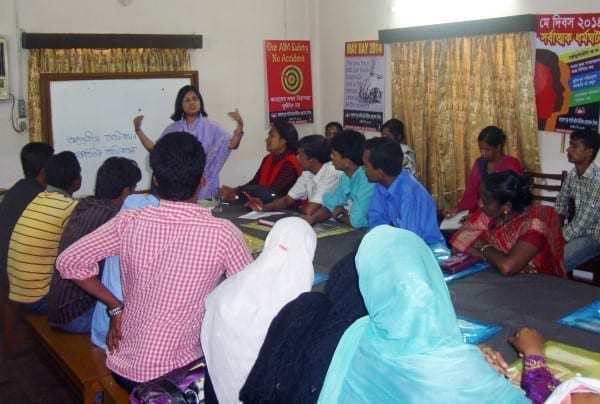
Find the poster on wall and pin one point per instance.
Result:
(567, 72)
(364, 85)
(289, 81)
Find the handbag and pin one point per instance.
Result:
(184, 385)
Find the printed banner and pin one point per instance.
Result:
(289, 81)
(364, 85)
(567, 72)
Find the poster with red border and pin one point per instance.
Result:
(567, 72)
(289, 81)
(364, 85)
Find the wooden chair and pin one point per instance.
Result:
(546, 183)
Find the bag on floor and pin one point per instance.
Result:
(180, 386)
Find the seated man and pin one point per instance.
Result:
(318, 177)
(332, 129)
(582, 233)
(350, 201)
(172, 256)
(69, 307)
(34, 241)
(34, 157)
(399, 199)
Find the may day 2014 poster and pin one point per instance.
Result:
(567, 72)
(364, 85)
(289, 81)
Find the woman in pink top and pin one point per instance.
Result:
(491, 144)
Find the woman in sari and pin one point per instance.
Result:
(280, 169)
(409, 348)
(240, 310)
(491, 142)
(510, 233)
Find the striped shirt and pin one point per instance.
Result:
(66, 300)
(171, 257)
(34, 245)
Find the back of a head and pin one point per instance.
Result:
(316, 146)
(63, 170)
(589, 138)
(508, 186)
(492, 135)
(34, 157)
(177, 161)
(386, 154)
(287, 132)
(396, 128)
(114, 175)
(349, 144)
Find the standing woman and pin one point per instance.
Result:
(190, 116)
(491, 142)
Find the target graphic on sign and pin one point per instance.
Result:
(292, 79)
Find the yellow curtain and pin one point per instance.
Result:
(446, 91)
(94, 61)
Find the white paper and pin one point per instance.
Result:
(453, 223)
(257, 215)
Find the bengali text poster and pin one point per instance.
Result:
(289, 81)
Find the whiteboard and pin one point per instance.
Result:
(92, 116)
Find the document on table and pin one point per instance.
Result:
(587, 318)
(453, 223)
(564, 361)
(258, 215)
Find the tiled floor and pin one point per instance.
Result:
(31, 377)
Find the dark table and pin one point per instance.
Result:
(329, 249)
(511, 302)
(535, 301)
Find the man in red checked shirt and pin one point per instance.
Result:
(171, 256)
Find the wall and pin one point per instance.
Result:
(231, 64)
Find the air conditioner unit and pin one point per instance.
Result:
(3, 70)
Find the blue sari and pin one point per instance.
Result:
(408, 348)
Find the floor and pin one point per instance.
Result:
(31, 377)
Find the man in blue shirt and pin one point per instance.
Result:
(349, 202)
(399, 199)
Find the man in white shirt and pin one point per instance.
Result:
(318, 177)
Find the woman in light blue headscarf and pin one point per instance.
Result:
(409, 347)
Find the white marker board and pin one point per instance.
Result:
(92, 116)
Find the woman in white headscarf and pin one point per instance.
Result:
(408, 348)
(240, 310)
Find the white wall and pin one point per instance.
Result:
(231, 65)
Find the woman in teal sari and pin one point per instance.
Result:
(409, 347)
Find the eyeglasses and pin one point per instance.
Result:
(191, 99)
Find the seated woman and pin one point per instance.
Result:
(394, 129)
(409, 347)
(301, 340)
(510, 233)
(491, 144)
(279, 169)
(240, 310)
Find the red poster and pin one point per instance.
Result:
(289, 81)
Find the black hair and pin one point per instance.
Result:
(177, 162)
(492, 135)
(386, 154)
(508, 186)
(34, 157)
(316, 146)
(287, 132)
(178, 114)
(62, 170)
(590, 139)
(349, 144)
(396, 128)
(115, 174)
(335, 124)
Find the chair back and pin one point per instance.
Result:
(546, 186)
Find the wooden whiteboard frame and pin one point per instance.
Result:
(47, 78)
